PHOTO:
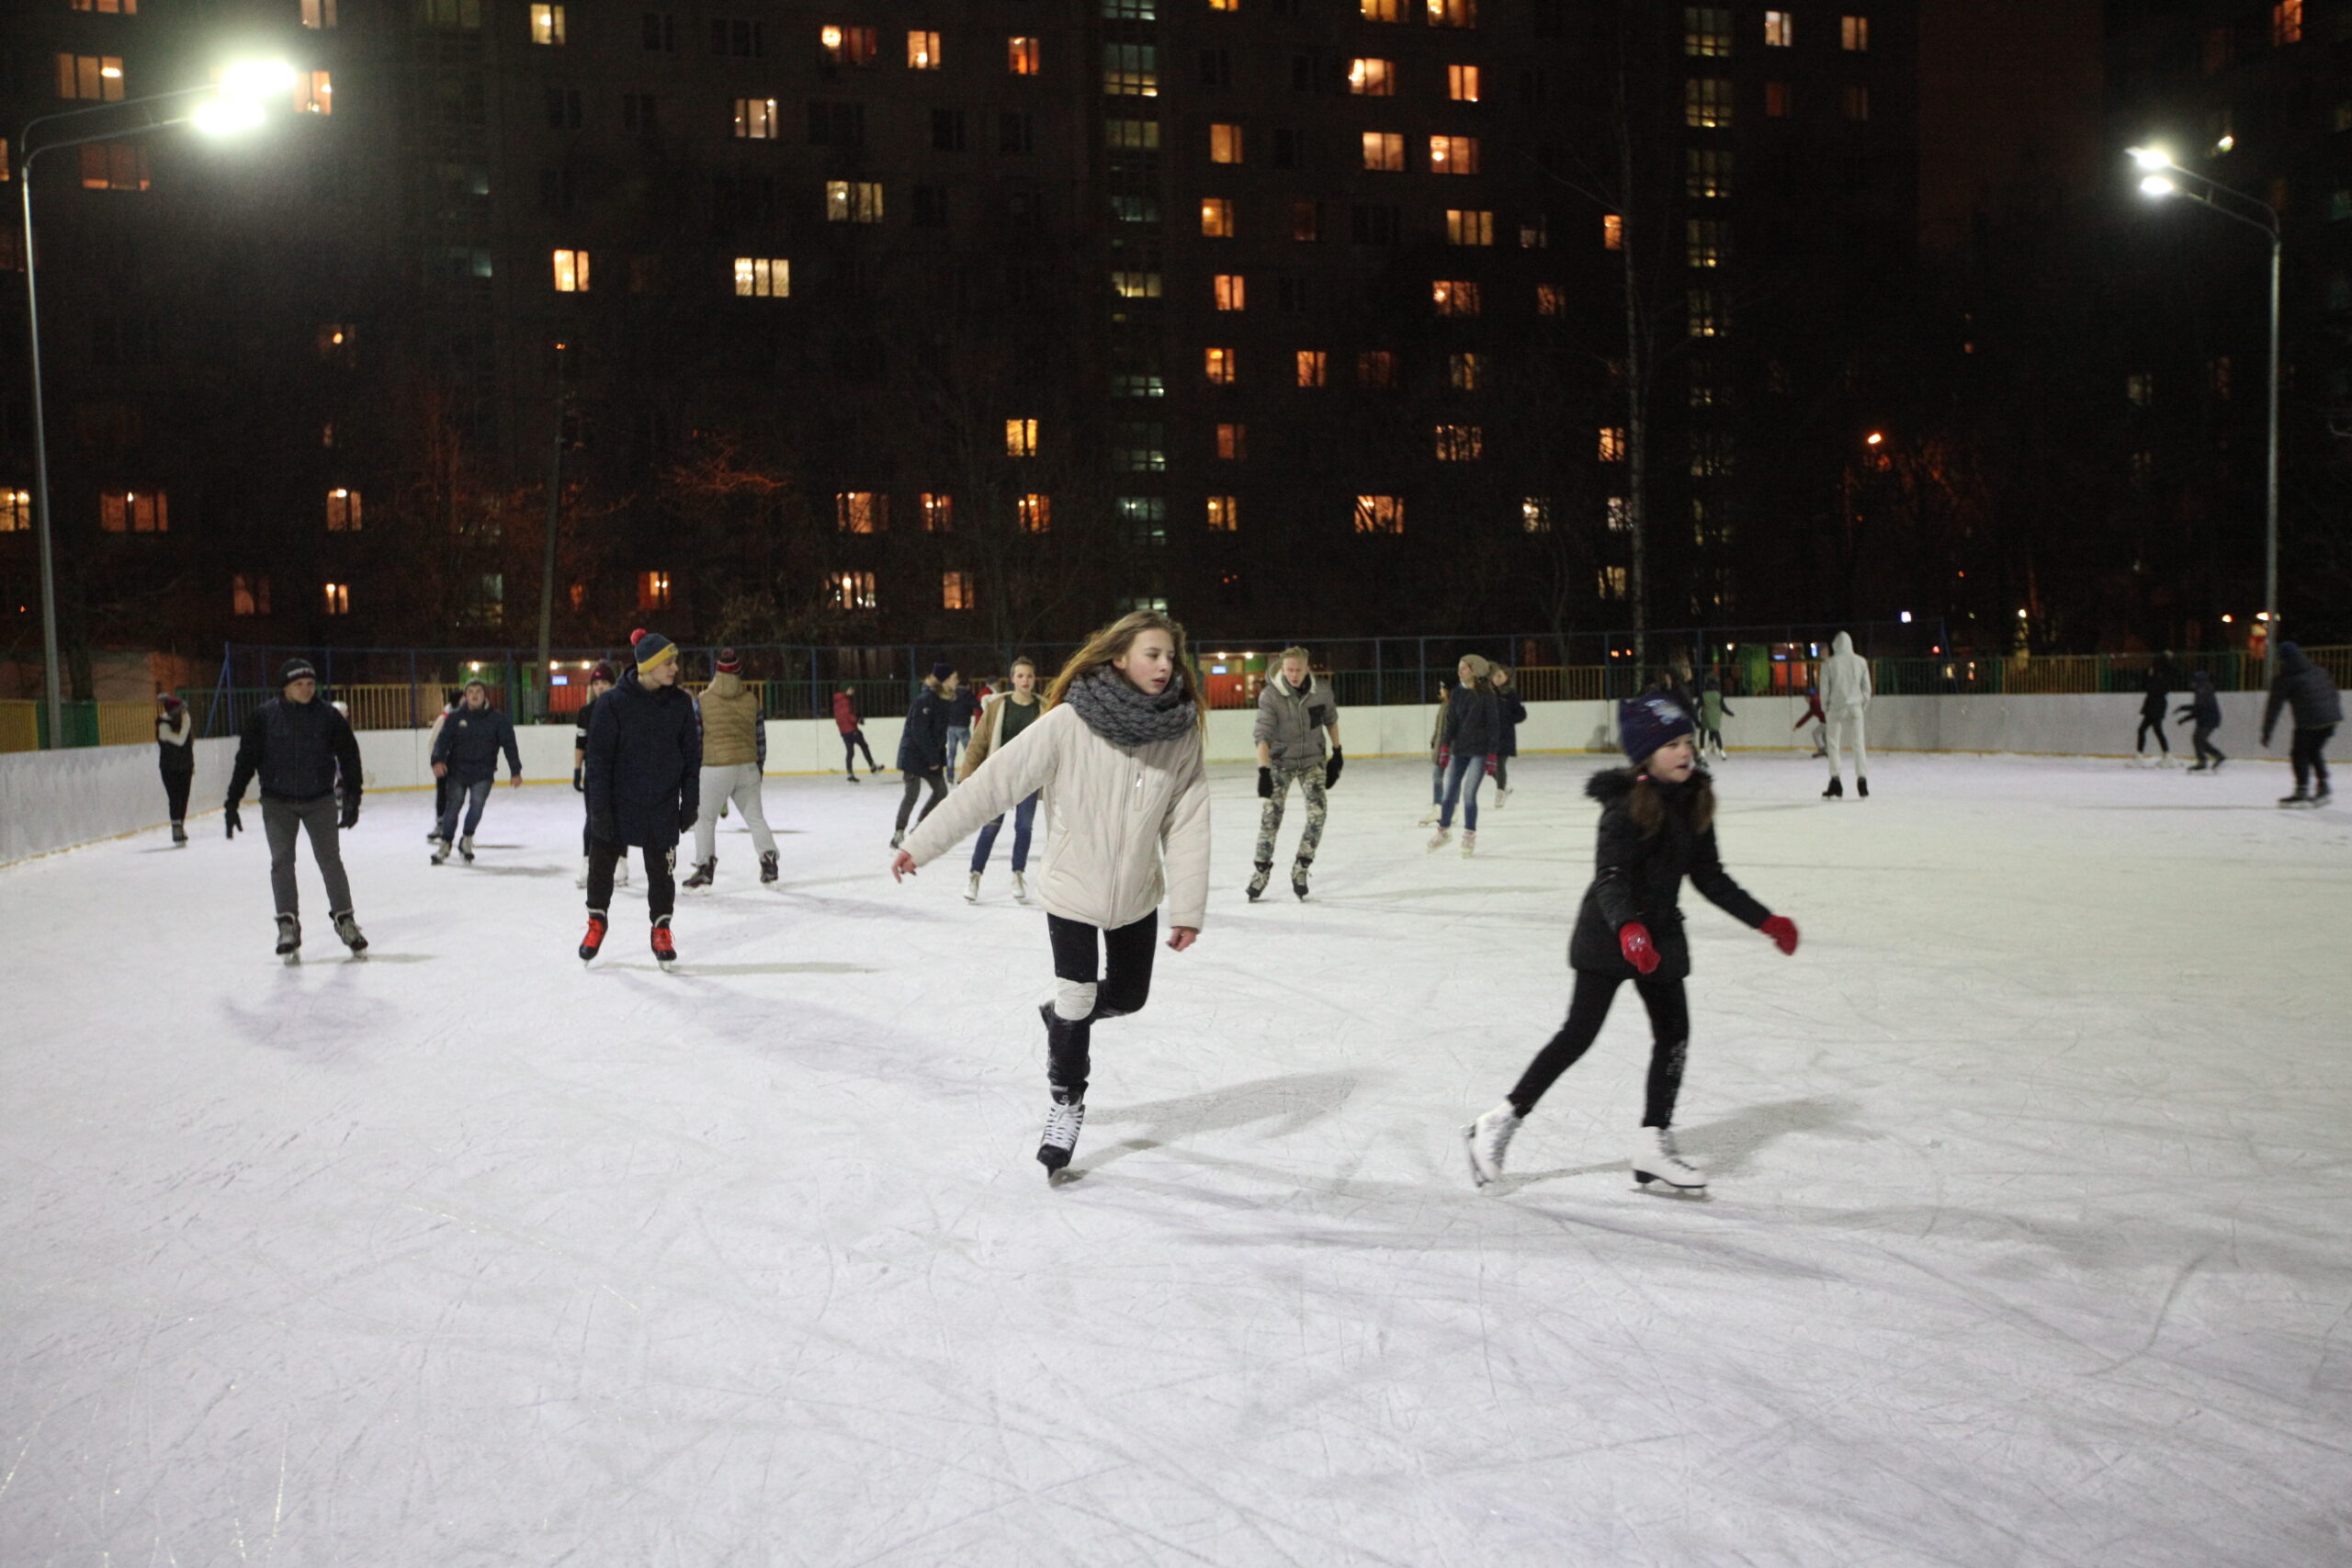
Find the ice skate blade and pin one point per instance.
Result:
(1479, 1178)
(1642, 1179)
(1064, 1175)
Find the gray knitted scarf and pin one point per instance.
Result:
(1120, 713)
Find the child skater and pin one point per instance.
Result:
(1120, 757)
(1657, 825)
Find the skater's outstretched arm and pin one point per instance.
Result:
(1708, 875)
(1008, 777)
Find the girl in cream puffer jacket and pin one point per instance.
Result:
(1120, 757)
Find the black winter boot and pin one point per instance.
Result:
(1837, 790)
(1862, 787)
(705, 874)
(767, 866)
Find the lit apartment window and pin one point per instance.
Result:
(923, 52)
(1035, 513)
(248, 594)
(1219, 365)
(851, 589)
(16, 511)
(1380, 515)
(547, 24)
(1372, 78)
(1855, 100)
(1225, 144)
(762, 278)
(134, 512)
(1024, 57)
(1706, 103)
(1376, 367)
(1706, 239)
(850, 46)
(860, 512)
(936, 512)
(2140, 389)
(1216, 218)
(1460, 442)
(1619, 515)
(1136, 285)
(1384, 150)
(1131, 70)
(1233, 442)
(114, 166)
(1230, 290)
(1535, 514)
(318, 14)
(1454, 154)
(1462, 84)
(1462, 372)
(1139, 384)
(1382, 10)
(1454, 13)
(853, 202)
(1534, 233)
(954, 591)
(1224, 5)
(1779, 30)
(1132, 10)
(1454, 297)
(1612, 583)
(1710, 316)
(755, 120)
(1551, 300)
(314, 92)
(1313, 367)
(1143, 519)
(1777, 100)
(1706, 31)
(572, 272)
(2287, 23)
(1707, 172)
(1225, 514)
(95, 76)
(1854, 34)
(342, 511)
(1467, 228)
(1020, 437)
(338, 598)
(1613, 444)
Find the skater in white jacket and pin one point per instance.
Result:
(1119, 755)
(1845, 694)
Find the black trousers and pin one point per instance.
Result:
(1669, 1012)
(660, 883)
(2201, 737)
(851, 744)
(915, 781)
(2306, 758)
(2147, 725)
(1118, 964)
(176, 788)
(1502, 772)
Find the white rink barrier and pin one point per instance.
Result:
(54, 800)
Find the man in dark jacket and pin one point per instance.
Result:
(2203, 710)
(644, 785)
(922, 747)
(2155, 695)
(299, 746)
(466, 753)
(2304, 688)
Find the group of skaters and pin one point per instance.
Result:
(2300, 691)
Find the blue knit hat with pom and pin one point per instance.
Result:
(1644, 724)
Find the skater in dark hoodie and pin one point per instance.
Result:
(2203, 710)
(644, 781)
(2304, 688)
(1657, 826)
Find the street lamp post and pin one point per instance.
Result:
(233, 105)
(2165, 179)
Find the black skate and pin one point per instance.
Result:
(594, 940)
(179, 833)
(768, 868)
(1060, 1140)
(440, 850)
(290, 939)
(855, 779)
(705, 874)
(664, 947)
(1258, 883)
(1837, 790)
(349, 928)
(1862, 787)
(2295, 801)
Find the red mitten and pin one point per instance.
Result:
(1782, 931)
(1445, 756)
(1490, 767)
(1633, 938)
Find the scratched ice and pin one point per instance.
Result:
(2028, 1241)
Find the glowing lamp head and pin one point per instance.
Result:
(2151, 157)
(2157, 185)
(226, 117)
(1874, 439)
(254, 80)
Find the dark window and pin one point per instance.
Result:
(947, 131)
(563, 109)
(557, 190)
(1015, 133)
(1306, 218)
(1216, 68)
(931, 206)
(1024, 208)
(1547, 18)
(1534, 89)
(1290, 147)
(836, 125)
(661, 31)
(1290, 294)
(738, 37)
(1373, 225)
(638, 114)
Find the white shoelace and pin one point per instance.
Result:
(1062, 1123)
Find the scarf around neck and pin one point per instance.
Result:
(1120, 713)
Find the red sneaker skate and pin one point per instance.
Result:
(665, 948)
(594, 940)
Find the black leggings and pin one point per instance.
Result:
(915, 781)
(2140, 742)
(851, 744)
(1669, 1012)
(176, 787)
(1118, 964)
(2201, 737)
(1502, 772)
(2309, 744)
(660, 883)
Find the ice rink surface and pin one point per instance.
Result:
(2029, 1242)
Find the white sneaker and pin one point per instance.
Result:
(1502, 798)
(1488, 1139)
(1429, 818)
(1656, 1159)
(1020, 889)
(440, 850)
(1063, 1120)
(1469, 844)
(972, 891)
(1439, 839)
(582, 880)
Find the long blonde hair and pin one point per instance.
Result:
(1115, 639)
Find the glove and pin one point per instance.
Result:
(601, 824)
(1490, 767)
(1266, 783)
(1332, 769)
(350, 818)
(1782, 931)
(235, 821)
(579, 782)
(1445, 756)
(687, 812)
(1633, 940)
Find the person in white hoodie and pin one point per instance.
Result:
(1119, 755)
(1846, 695)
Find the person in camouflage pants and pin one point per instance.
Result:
(1294, 713)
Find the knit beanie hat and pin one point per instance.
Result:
(1479, 669)
(604, 672)
(653, 651)
(172, 700)
(729, 661)
(296, 669)
(941, 670)
(1645, 724)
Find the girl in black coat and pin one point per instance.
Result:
(1656, 826)
(922, 747)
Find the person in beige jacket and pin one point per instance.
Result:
(734, 758)
(1119, 755)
